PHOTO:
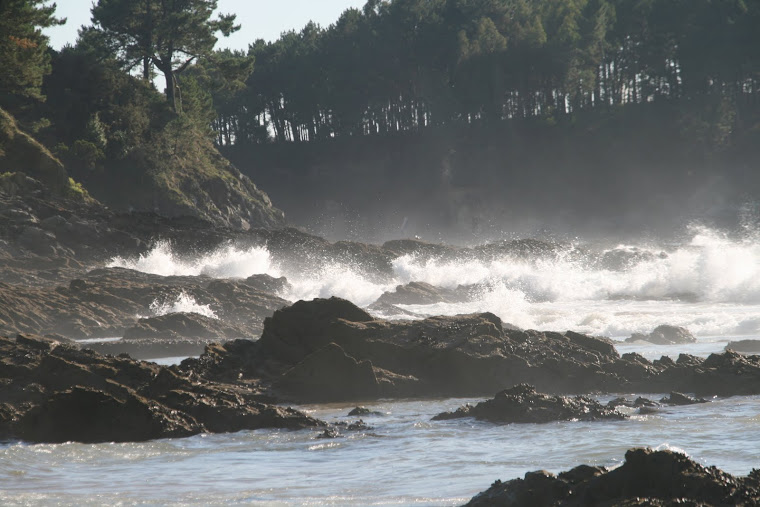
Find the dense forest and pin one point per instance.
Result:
(404, 65)
(475, 104)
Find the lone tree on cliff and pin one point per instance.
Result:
(167, 34)
(24, 58)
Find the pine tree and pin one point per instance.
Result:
(169, 34)
(24, 57)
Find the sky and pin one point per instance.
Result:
(260, 19)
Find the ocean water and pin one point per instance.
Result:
(708, 282)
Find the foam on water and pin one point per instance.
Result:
(709, 283)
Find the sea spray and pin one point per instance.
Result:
(225, 262)
(184, 303)
(709, 283)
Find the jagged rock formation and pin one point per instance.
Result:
(450, 356)
(106, 302)
(53, 392)
(652, 478)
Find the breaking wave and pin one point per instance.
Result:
(709, 283)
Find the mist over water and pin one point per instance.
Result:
(709, 283)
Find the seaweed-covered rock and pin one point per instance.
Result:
(522, 404)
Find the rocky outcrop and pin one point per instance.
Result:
(665, 335)
(53, 392)
(182, 325)
(647, 477)
(105, 303)
(420, 293)
(522, 404)
(456, 356)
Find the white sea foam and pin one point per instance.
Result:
(710, 284)
(184, 303)
(225, 262)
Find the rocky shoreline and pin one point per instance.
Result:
(648, 477)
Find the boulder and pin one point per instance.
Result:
(665, 335)
(522, 404)
(647, 477)
(681, 399)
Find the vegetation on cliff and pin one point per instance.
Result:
(115, 133)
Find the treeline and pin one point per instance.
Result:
(403, 65)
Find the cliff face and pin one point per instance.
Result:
(181, 173)
(181, 176)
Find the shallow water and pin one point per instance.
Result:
(407, 459)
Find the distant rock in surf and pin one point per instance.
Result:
(744, 346)
(665, 335)
(522, 404)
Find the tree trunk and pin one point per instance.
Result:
(171, 96)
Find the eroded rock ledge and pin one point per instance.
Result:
(648, 477)
(53, 392)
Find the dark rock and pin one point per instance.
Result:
(665, 335)
(681, 399)
(522, 404)
(176, 326)
(329, 433)
(646, 478)
(105, 302)
(329, 374)
(267, 283)
(52, 392)
(637, 403)
(363, 411)
(420, 293)
(462, 355)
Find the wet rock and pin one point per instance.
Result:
(105, 303)
(647, 477)
(637, 403)
(681, 399)
(363, 411)
(420, 293)
(665, 335)
(181, 325)
(460, 355)
(267, 283)
(522, 404)
(51, 391)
